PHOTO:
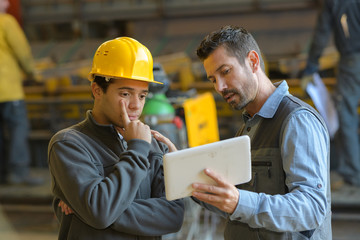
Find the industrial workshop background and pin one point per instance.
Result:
(64, 35)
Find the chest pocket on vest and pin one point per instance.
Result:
(267, 173)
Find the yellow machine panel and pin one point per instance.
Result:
(201, 120)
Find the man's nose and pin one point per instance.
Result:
(135, 103)
(220, 85)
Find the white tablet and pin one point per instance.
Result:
(231, 158)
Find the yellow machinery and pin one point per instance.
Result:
(201, 120)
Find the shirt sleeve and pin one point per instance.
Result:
(19, 44)
(304, 152)
(97, 200)
(151, 217)
(320, 38)
(154, 216)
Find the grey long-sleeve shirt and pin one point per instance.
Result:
(116, 193)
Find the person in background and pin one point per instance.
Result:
(341, 17)
(106, 171)
(15, 62)
(288, 196)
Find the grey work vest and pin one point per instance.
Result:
(268, 175)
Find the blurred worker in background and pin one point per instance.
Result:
(107, 170)
(288, 196)
(15, 61)
(342, 17)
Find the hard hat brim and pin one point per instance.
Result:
(91, 78)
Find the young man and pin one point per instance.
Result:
(289, 194)
(108, 169)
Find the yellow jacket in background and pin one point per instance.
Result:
(15, 59)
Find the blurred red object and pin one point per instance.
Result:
(15, 10)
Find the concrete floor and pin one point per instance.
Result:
(33, 219)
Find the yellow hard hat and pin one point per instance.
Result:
(123, 57)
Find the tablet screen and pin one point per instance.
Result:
(231, 158)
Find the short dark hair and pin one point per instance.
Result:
(103, 82)
(236, 40)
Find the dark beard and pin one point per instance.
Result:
(237, 106)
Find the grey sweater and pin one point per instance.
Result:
(115, 192)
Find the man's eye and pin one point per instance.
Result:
(124, 94)
(212, 80)
(225, 71)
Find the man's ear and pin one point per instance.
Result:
(96, 90)
(254, 60)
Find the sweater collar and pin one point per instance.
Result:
(101, 130)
